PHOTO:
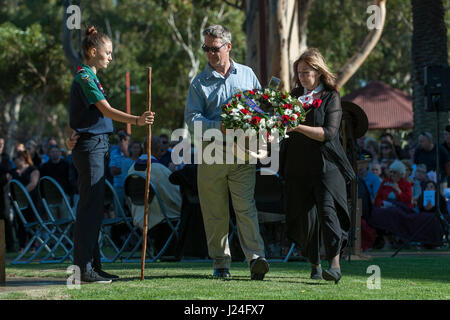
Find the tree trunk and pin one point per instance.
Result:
(12, 118)
(42, 113)
(72, 55)
(429, 47)
(285, 29)
(353, 64)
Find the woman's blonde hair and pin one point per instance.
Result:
(315, 60)
(24, 155)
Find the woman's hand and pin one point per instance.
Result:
(290, 129)
(396, 187)
(147, 117)
(72, 141)
(315, 133)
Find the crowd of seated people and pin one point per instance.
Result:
(395, 177)
(32, 160)
(395, 181)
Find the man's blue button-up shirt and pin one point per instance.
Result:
(210, 90)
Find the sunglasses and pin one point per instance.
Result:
(213, 49)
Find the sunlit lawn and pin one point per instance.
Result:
(401, 278)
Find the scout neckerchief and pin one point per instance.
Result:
(97, 83)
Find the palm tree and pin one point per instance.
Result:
(429, 47)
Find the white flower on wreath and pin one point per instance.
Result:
(270, 123)
(235, 111)
(288, 112)
(262, 124)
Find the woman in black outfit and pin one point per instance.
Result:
(28, 175)
(315, 169)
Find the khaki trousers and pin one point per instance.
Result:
(215, 183)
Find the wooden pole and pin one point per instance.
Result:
(147, 178)
(2, 252)
(128, 99)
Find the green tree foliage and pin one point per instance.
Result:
(337, 29)
(31, 64)
(30, 40)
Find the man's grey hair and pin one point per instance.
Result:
(218, 31)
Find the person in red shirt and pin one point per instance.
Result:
(395, 187)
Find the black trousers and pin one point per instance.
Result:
(310, 211)
(89, 160)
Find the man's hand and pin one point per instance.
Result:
(72, 141)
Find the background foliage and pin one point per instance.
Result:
(32, 61)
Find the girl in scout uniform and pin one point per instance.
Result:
(91, 120)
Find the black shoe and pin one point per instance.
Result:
(106, 275)
(332, 274)
(93, 277)
(223, 273)
(316, 273)
(258, 268)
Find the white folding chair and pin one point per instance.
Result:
(54, 199)
(42, 231)
(111, 198)
(269, 198)
(135, 190)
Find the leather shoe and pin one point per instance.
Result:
(106, 275)
(316, 273)
(258, 268)
(223, 273)
(332, 274)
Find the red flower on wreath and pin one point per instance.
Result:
(238, 95)
(265, 97)
(306, 106)
(285, 118)
(316, 103)
(251, 92)
(245, 111)
(256, 120)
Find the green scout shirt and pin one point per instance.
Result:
(86, 90)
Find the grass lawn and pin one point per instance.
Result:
(402, 277)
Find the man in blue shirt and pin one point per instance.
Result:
(212, 88)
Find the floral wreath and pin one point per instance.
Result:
(266, 109)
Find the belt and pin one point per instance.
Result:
(87, 135)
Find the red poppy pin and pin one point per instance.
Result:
(316, 103)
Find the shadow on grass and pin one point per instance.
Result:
(292, 280)
(399, 268)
